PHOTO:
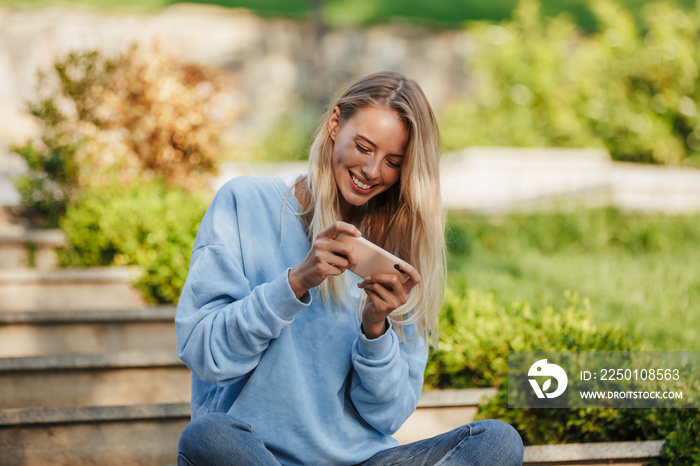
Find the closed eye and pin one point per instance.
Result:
(363, 149)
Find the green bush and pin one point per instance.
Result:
(144, 224)
(681, 429)
(541, 82)
(477, 332)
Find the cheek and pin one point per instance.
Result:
(342, 156)
(392, 176)
(337, 162)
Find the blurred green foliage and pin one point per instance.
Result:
(340, 13)
(52, 180)
(681, 429)
(537, 81)
(597, 230)
(636, 270)
(678, 427)
(144, 224)
(290, 136)
(141, 114)
(477, 331)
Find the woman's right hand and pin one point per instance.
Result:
(326, 257)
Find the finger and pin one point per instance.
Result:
(327, 246)
(389, 298)
(380, 306)
(333, 260)
(391, 282)
(410, 273)
(347, 251)
(341, 227)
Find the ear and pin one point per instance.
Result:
(334, 123)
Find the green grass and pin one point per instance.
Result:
(638, 272)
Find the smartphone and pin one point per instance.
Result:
(371, 258)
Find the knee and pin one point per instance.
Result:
(201, 438)
(510, 443)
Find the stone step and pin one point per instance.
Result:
(148, 434)
(442, 410)
(39, 333)
(121, 378)
(88, 289)
(593, 454)
(10, 224)
(30, 248)
(80, 436)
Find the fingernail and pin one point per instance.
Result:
(367, 278)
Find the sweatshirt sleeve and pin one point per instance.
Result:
(387, 378)
(223, 323)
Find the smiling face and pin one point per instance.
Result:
(368, 153)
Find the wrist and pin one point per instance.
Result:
(297, 283)
(375, 329)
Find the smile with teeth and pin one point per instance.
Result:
(359, 183)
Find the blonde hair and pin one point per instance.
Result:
(407, 219)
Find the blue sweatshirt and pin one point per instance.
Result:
(300, 372)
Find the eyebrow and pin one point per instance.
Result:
(364, 138)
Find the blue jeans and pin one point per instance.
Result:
(219, 439)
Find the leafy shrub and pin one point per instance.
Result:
(541, 82)
(476, 333)
(141, 115)
(145, 225)
(681, 429)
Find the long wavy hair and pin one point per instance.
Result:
(407, 219)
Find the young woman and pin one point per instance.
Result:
(295, 360)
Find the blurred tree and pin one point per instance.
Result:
(542, 82)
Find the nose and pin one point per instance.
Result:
(371, 168)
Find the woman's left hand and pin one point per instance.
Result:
(386, 293)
